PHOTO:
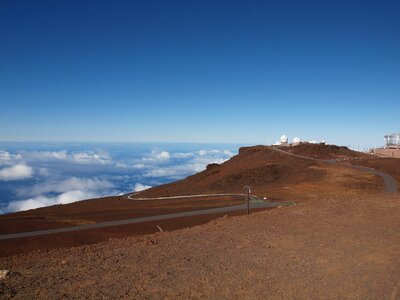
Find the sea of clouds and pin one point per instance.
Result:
(34, 175)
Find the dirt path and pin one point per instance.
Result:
(390, 182)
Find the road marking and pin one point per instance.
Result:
(182, 197)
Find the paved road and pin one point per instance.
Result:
(137, 220)
(390, 182)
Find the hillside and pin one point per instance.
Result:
(275, 174)
(272, 174)
(387, 165)
(322, 151)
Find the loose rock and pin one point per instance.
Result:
(4, 273)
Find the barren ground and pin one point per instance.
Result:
(104, 209)
(327, 248)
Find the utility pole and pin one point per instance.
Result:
(248, 191)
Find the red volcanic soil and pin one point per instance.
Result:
(387, 165)
(338, 248)
(273, 173)
(92, 236)
(104, 209)
(323, 151)
(256, 166)
(101, 210)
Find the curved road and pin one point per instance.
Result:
(390, 182)
(390, 187)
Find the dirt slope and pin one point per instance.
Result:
(274, 174)
(277, 176)
(103, 209)
(388, 165)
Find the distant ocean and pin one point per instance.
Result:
(41, 174)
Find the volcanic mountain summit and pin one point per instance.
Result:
(278, 172)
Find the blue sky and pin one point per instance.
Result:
(199, 71)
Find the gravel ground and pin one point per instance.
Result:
(335, 248)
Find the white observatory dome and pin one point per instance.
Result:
(284, 139)
(296, 140)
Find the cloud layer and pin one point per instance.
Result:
(63, 192)
(7, 158)
(80, 157)
(16, 172)
(61, 176)
(41, 201)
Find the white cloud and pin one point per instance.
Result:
(139, 166)
(202, 152)
(163, 155)
(214, 152)
(183, 155)
(141, 187)
(8, 158)
(71, 183)
(41, 201)
(229, 153)
(75, 195)
(62, 192)
(46, 155)
(130, 166)
(86, 157)
(194, 162)
(196, 165)
(161, 172)
(157, 156)
(91, 158)
(16, 172)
